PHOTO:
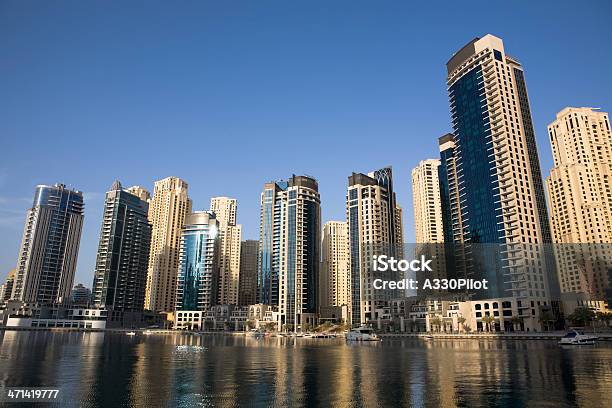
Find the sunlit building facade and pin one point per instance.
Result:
(335, 288)
(167, 211)
(230, 236)
(289, 249)
(580, 195)
(120, 277)
(491, 185)
(373, 218)
(50, 246)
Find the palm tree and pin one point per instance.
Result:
(545, 318)
(516, 322)
(435, 321)
(581, 316)
(604, 318)
(461, 321)
(488, 320)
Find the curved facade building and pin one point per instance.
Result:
(198, 264)
(50, 246)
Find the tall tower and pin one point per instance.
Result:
(374, 218)
(50, 246)
(198, 267)
(492, 190)
(120, 277)
(579, 191)
(230, 236)
(288, 271)
(247, 288)
(335, 269)
(426, 202)
(6, 290)
(167, 211)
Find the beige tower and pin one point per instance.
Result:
(426, 202)
(230, 234)
(374, 222)
(335, 283)
(579, 191)
(140, 192)
(167, 211)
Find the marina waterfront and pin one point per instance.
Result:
(112, 369)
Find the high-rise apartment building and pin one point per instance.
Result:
(426, 202)
(247, 288)
(491, 185)
(140, 192)
(374, 222)
(167, 211)
(198, 266)
(289, 245)
(6, 290)
(50, 246)
(335, 288)
(120, 277)
(81, 295)
(230, 236)
(580, 196)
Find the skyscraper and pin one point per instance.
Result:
(247, 288)
(426, 202)
(198, 266)
(579, 191)
(80, 295)
(230, 236)
(288, 271)
(140, 192)
(6, 290)
(335, 289)
(374, 219)
(50, 246)
(491, 182)
(427, 205)
(120, 277)
(167, 211)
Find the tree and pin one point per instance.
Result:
(516, 322)
(467, 328)
(436, 321)
(545, 318)
(461, 321)
(581, 316)
(487, 320)
(604, 318)
(306, 327)
(269, 326)
(250, 324)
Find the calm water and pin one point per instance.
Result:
(102, 369)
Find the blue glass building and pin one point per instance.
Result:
(198, 265)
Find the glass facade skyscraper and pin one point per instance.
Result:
(123, 252)
(289, 248)
(491, 186)
(198, 264)
(50, 246)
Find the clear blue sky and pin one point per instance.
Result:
(229, 95)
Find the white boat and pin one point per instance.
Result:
(577, 338)
(147, 332)
(131, 333)
(362, 333)
(256, 333)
